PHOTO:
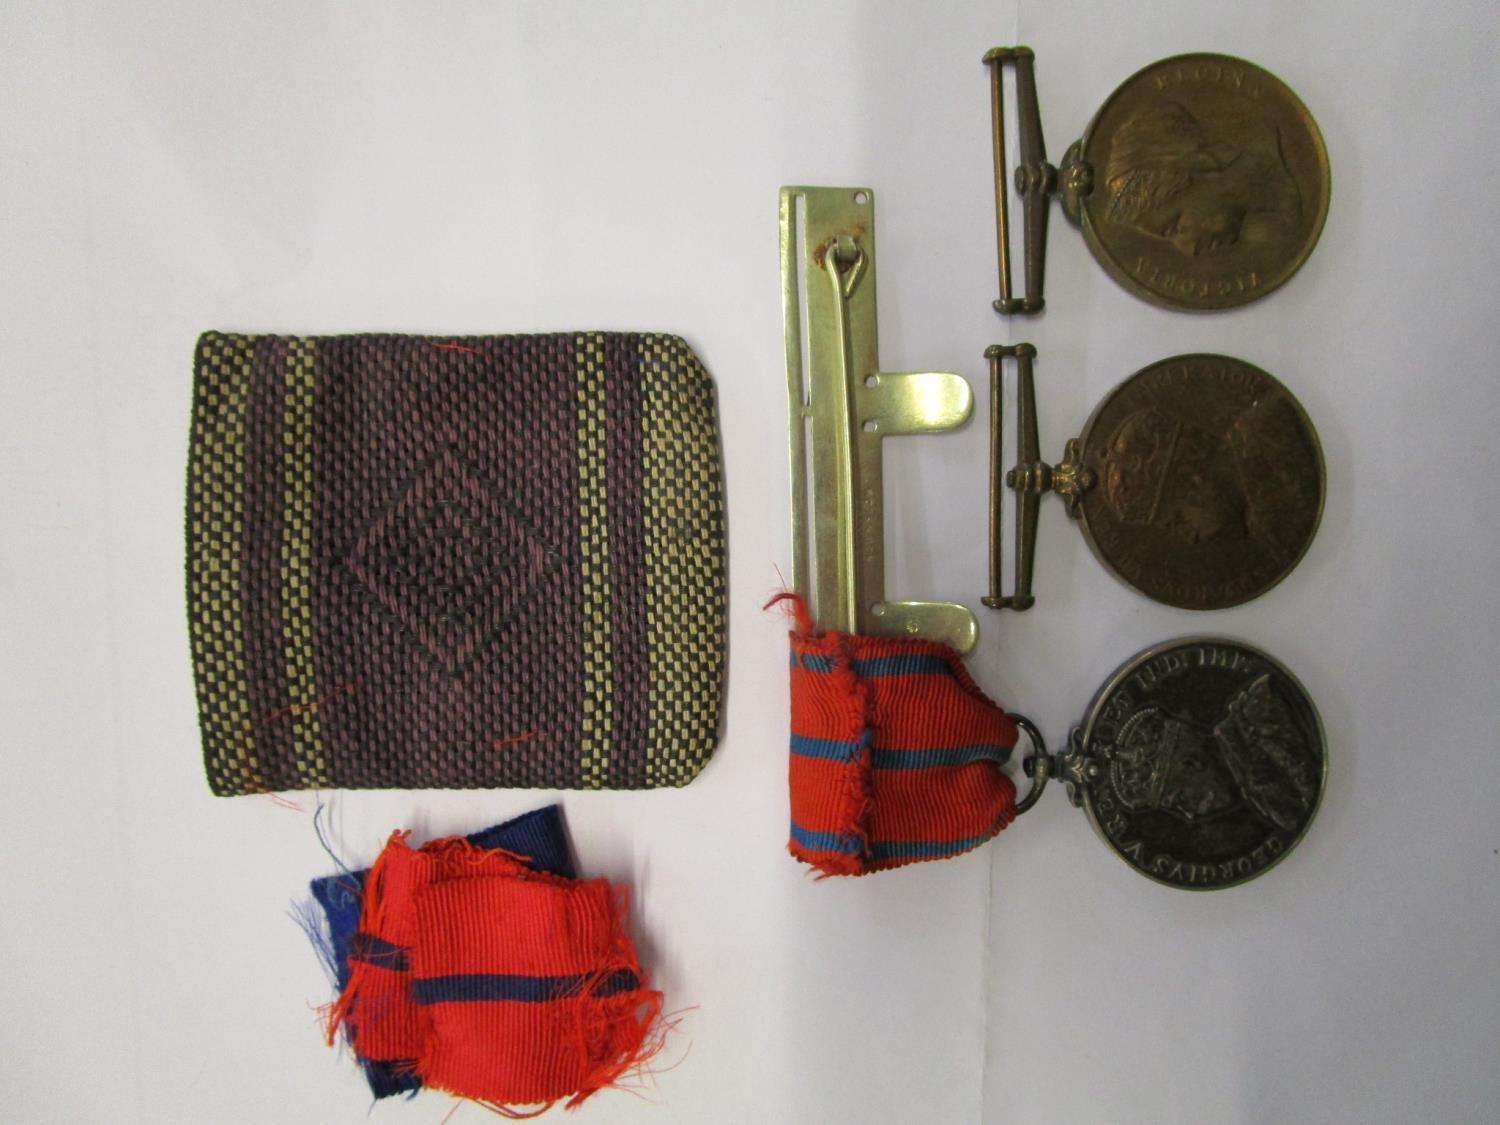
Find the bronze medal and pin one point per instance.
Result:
(1198, 481)
(1201, 762)
(1210, 182)
(1201, 183)
(1209, 481)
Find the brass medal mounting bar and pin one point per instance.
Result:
(1036, 180)
(1029, 479)
(1198, 481)
(842, 406)
(1201, 183)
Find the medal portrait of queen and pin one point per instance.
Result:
(1168, 177)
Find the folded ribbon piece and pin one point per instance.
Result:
(895, 753)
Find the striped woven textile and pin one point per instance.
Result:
(538, 839)
(471, 562)
(492, 980)
(896, 755)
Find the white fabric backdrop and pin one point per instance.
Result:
(471, 167)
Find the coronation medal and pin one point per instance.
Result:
(1200, 762)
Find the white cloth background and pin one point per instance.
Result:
(489, 167)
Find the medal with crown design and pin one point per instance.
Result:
(1201, 762)
(1198, 481)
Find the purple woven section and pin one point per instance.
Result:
(446, 528)
(387, 581)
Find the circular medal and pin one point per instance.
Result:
(1207, 481)
(1205, 762)
(1207, 183)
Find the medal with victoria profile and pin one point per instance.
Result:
(1201, 183)
(1200, 762)
(1198, 481)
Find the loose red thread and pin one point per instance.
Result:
(797, 606)
(455, 347)
(295, 709)
(527, 737)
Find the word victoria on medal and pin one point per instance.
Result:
(1201, 183)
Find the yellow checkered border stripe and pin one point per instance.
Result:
(593, 545)
(215, 533)
(686, 618)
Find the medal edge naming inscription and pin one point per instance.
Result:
(1130, 686)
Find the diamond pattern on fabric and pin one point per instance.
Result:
(450, 561)
(472, 562)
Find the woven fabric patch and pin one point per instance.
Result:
(476, 562)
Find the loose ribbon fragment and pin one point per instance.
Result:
(480, 967)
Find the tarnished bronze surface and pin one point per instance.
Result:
(1207, 481)
(1201, 762)
(1202, 182)
(1210, 182)
(1199, 481)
